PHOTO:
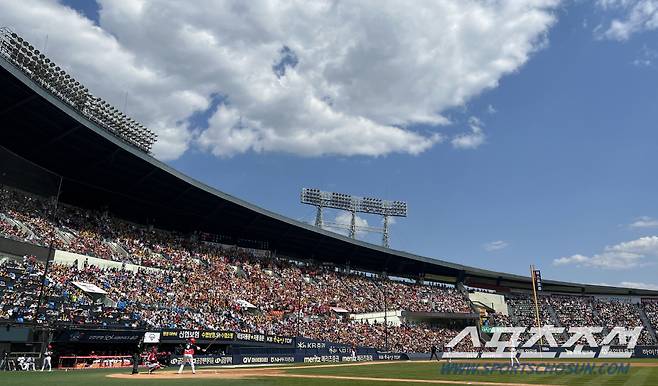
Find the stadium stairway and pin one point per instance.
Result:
(118, 249)
(20, 225)
(64, 235)
(554, 318)
(464, 292)
(595, 313)
(647, 324)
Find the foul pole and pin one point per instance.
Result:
(537, 318)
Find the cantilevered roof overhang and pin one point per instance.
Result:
(101, 171)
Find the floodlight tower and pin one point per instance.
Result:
(354, 204)
(385, 235)
(22, 55)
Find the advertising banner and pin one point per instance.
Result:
(646, 352)
(225, 337)
(152, 337)
(218, 360)
(205, 360)
(99, 336)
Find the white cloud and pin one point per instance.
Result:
(308, 78)
(491, 109)
(630, 284)
(472, 139)
(626, 255)
(573, 259)
(638, 16)
(644, 222)
(495, 245)
(634, 284)
(641, 62)
(646, 58)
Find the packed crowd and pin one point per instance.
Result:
(272, 285)
(406, 337)
(19, 290)
(93, 233)
(522, 309)
(612, 313)
(581, 311)
(229, 293)
(499, 320)
(573, 310)
(205, 285)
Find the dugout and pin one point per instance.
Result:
(71, 343)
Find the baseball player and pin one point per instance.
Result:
(513, 356)
(27, 363)
(152, 360)
(47, 357)
(188, 355)
(447, 349)
(433, 353)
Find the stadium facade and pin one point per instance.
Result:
(50, 147)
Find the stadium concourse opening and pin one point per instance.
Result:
(107, 254)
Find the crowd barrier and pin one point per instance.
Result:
(219, 360)
(94, 361)
(242, 348)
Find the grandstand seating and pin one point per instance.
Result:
(206, 285)
(566, 311)
(650, 309)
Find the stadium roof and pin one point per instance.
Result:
(101, 171)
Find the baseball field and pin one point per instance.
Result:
(598, 372)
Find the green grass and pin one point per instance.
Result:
(418, 370)
(408, 370)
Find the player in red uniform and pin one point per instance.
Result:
(188, 355)
(152, 360)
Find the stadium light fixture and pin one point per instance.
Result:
(353, 204)
(22, 55)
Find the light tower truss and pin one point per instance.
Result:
(354, 204)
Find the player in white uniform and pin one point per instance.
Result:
(449, 351)
(47, 357)
(188, 355)
(513, 356)
(29, 364)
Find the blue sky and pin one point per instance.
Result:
(566, 167)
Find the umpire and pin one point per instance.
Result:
(137, 357)
(434, 354)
